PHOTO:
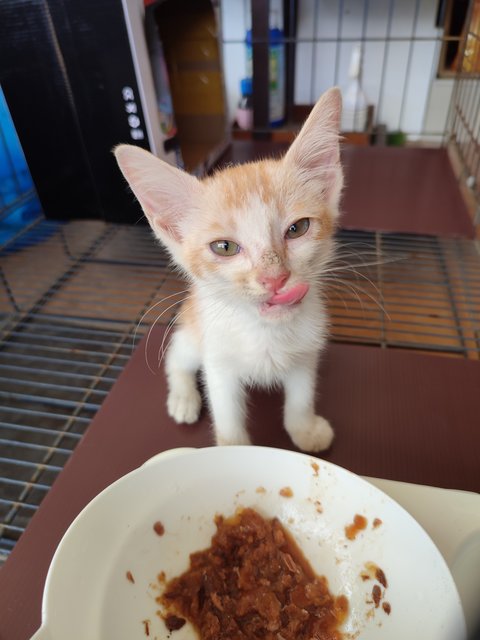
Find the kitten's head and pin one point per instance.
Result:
(259, 233)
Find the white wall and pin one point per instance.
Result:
(399, 78)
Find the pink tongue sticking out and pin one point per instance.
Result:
(290, 296)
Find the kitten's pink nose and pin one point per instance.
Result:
(274, 284)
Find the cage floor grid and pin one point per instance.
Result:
(76, 297)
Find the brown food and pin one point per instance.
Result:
(159, 528)
(359, 523)
(380, 575)
(372, 571)
(174, 623)
(386, 607)
(376, 595)
(130, 577)
(286, 492)
(253, 582)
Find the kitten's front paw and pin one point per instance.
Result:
(315, 436)
(184, 406)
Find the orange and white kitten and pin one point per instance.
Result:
(253, 241)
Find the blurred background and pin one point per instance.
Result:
(183, 79)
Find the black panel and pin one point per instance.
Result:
(261, 67)
(63, 68)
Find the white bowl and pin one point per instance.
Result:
(88, 596)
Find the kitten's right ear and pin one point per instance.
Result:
(165, 193)
(315, 153)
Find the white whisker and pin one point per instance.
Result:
(163, 349)
(355, 288)
(153, 325)
(151, 309)
(359, 274)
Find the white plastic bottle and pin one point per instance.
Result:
(355, 102)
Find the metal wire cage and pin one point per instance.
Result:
(75, 296)
(463, 126)
(73, 299)
(409, 68)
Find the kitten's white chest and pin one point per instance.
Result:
(262, 352)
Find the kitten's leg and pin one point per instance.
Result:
(182, 362)
(227, 403)
(308, 431)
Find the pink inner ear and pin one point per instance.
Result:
(149, 205)
(317, 146)
(171, 231)
(326, 161)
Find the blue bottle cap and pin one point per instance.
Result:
(246, 86)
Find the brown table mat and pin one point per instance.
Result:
(402, 190)
(397, 415)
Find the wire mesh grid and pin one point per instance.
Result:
(73, 297)
(416, 292)
(77, 296)
(463, 131)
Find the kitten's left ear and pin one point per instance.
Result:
(167, 195)
(315, 153)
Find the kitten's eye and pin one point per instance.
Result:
(298, 228)
(224, 247)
